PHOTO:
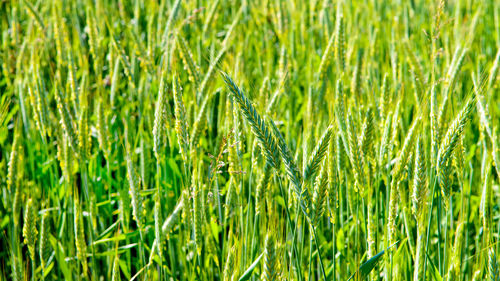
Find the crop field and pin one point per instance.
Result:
(250, 140)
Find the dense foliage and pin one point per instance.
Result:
(248, 140)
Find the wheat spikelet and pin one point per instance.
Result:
(394, 130)
(102, 129)
(454, 68)
(157, 221)
(73, 86)
(416, 69)
(340, 114)
(485, 205)
(123, 58)
(134, 187)
(283, 74)
(168, 224)
(187, 58)
(325, 59)
(293, 173)
(210, 72)
(441, 118)
(81, 245)
(44, 250)
(419, 256)
(181, 125)
(35, 15)
(29, 228)
(455, 267)
(160, 118)
(17, 202)
(458, 159)
(197, 218)
(57, 26)
(385, 140)
(13, 165)
(171, 20)
(496, 156)
(391, 220)
(41, 104)
(210, 16)
(233, 161)
(230, 197)
(493, 266)
(477, 275)
(449, 143)
(267, 142)
(484, 117)
(494, 71)
(384, 96)
(260, 191)
(229, 266)
(270, 260)
(333, 178)
(320, 194)
(340, 38)
(66, 120)
(36, 113)
(199, 122)
(318, 154)
(17, 270)
(356, 77)
(64, 157)
(405, 151)
(366, 137)
(84, 138)
(290, 166)
(340, 158)
(93, 34)
(186, 208)
(355, 156)
(434, 127)
(420, 190)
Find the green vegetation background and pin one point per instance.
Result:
(247, 140)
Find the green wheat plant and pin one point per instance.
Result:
(249, 140)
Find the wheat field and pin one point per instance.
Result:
(249, 140)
